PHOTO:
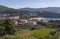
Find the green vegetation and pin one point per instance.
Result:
(27, 13)
(45, 34)
(35, 34)
(8, 31)
(7, 28)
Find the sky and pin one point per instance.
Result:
(30, 3)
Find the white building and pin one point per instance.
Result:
(39, 19)
(22, 21)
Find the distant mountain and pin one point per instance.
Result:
(4, 9)
(52, 12)
(29, 9)
(49, 9)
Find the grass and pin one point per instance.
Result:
(42, 33)
(28, 34)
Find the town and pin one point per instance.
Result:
(29, 19)
(37, 21)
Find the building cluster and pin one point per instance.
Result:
(31, 21)
(17, 20)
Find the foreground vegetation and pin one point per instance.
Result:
(8, 31)
(35, 34)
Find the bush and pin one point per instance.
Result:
(44, 34)
(36, 34)
(17, 37)
(9, 26)
(2, 32)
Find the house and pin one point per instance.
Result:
(22, 21)
(32, 22)
(56, 22)
(13, 18)
(9, 17)
(38, 19)
(26, 22)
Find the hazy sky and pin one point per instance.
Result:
(30, 3)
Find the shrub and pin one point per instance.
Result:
(44, 34)
(2, 32)
(9, 26)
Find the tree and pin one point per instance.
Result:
(51, 21)
(2, 32)
(9, 27)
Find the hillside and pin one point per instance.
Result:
(32, 12)
(4, 9)
(49, 9)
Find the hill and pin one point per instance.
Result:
(49, 9)
(31, 12)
